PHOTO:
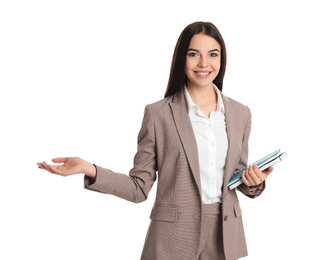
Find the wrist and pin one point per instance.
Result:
(90, 170)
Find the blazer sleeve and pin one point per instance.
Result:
(244, 162)
(135, 186)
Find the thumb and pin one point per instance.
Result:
(268, 170)
(59, 160)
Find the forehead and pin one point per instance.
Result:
(203, 42)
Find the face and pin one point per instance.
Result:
(202, 61)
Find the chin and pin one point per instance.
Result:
(201, 83)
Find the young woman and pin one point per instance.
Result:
(195, 138)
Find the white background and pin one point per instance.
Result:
(75, 77)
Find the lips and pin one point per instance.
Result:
(202, 74)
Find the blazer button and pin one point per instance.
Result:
(225, 218)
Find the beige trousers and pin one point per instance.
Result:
(211, 244)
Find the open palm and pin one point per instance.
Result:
(70, 166)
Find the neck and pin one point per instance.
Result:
(202, 95)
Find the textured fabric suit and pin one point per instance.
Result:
(167, 145)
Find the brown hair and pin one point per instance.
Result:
(177, 77)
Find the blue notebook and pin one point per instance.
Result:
(262, 164)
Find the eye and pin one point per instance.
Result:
(213, 54)
(193, 54)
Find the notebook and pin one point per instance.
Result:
(262, 164)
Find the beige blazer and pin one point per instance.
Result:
(167, 145)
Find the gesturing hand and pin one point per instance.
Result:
(253, 176)
(70, 166)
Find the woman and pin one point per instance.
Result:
(195, 138)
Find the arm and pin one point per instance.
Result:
(244, 188)
(138, 184)
(134, 187)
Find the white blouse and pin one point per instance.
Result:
(212, 143)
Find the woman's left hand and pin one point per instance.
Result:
(254, 177)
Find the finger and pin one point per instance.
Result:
(245, 180)
(260, 175)
(55, 170)
(41, 166)
(253, 173)
(47, 167)
(59, 160)
(268, 170)
(250, 181)
(249, 177)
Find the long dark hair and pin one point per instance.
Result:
(177, 77)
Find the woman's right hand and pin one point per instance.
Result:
(70, 166)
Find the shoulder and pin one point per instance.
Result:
(159, 107)
(235, 105)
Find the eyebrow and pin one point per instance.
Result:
(198, 50)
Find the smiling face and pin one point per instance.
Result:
(202, 61)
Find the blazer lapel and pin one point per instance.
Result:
(230, 118)
(186, 134)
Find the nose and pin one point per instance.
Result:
(202, 62)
